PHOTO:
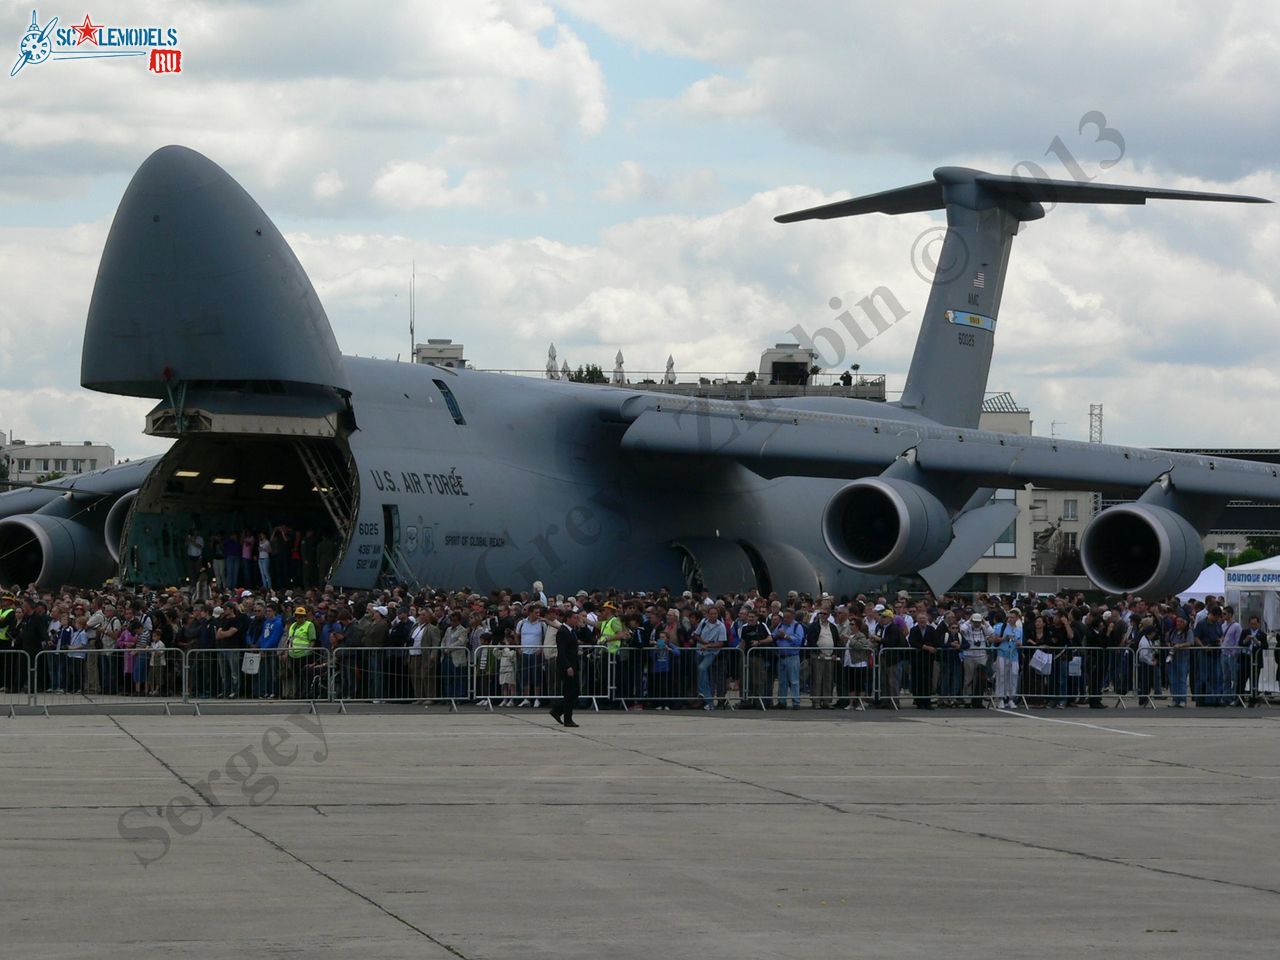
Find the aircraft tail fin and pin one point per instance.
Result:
(948, 374)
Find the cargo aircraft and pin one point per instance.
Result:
(453, 477)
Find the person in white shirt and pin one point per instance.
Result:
(1148, 674)
(823, 666)
(1008, 637)
(156, 672)
(532, 633)
(195, 549)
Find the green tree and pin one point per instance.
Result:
(1250, 555)
(51, 475)
(750, 377)
(4, 468)
(1267, 546)
(591, 373)
(1213, 556)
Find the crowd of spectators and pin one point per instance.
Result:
(663, 650)
(268, 559)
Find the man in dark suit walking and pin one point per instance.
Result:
(568, 635)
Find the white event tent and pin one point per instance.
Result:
(1212, 582)
(1248, 584)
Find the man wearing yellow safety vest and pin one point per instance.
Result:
(299, 640)
(612, 631)
(10, 674)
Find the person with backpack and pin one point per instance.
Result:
(532, 633)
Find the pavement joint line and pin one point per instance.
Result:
(409, 804)
(1062, 851)
(1154, 761)
(406, 804)
(690, 766)
(427, 776)
(289, 853)
(351, 890)
(1075, 723)
(1098, 858)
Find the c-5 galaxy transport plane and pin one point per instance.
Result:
(455, 477)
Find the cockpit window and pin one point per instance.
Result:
(451, 402)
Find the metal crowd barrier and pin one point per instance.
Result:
(660, 678)
(1262, 678)
(399, 675)
(120, 675)
(15, 679)
(1268, 685)
(505, 676)
(654, 677)
(1040, 676)
(782, 677)
(249, 673)
(1203, 676)
(945, 678)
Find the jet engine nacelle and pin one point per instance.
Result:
(50, 551)
(113, 525)
(1141, 548)
(886, 525)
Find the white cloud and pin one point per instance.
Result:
(284, 93)
(407, 185)
(1191, 87)
(71, 415)
(327, 185)
(632, 182)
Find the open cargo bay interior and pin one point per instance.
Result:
(227, 484)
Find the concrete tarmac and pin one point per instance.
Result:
(654, 835)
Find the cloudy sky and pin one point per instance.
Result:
(603, 174)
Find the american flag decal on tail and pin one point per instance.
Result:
(980, 281)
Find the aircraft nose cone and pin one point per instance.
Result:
(174, 169)
(197, 284)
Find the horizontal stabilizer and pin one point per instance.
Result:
(912, 199)
(1069, 191)
(960, 184)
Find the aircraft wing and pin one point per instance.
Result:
(67, 530)
(108, 482)
(775, 441)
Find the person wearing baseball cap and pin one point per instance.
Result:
(612, 632)
(975, 635)
(890, 645)
(299, 640)
(9, 669)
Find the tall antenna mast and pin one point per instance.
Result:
(413, 279)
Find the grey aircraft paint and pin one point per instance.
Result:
(455, 477)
